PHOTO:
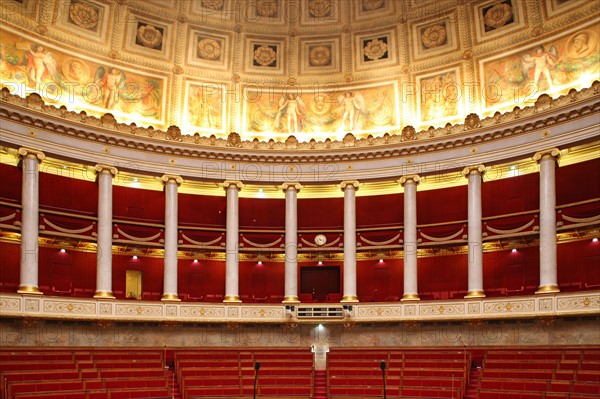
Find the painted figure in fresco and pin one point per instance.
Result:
(292, 107)
(541, 60)
(351, 103)
(38, 63)
(110, 84)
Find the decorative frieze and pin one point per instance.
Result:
(563, 304)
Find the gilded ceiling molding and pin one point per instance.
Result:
(472, 122)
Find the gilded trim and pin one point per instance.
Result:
(232, 298)
(291, 299)
(29, 289)
(170, 297)
(548, 289)
(410, 297)
(349, 298)
(104, 295)
(475, 294)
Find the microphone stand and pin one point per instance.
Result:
(256, 368)
(382, 366)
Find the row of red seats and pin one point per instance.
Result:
(547, 374)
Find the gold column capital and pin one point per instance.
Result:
(290, 184)
(166, 179)
(233, 183)
(102, 168)
(409, 178)
(553, 153)
(474, 169)
(25, 152)
(349, 183)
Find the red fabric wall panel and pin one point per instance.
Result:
(515, 194)
(202, 210)
(11, 177)
(68, 194)
(9, 266)
(262, 281)
(379, 210)
(67, 272)
(378, 281)
(262, 212)
(200, 279)
(578, 182)
(512, 270)
(444, 273)
(579, 264)
(321, 213)
(449, 204)
(138, 204)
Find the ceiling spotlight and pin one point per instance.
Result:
(260, 262)
(513, 167)
(595, 239)
(62, 250)
(260, 190)
(514, 250)
(319, 263)
(380, 260)
(195, 260)
(136, 180)
(134, 257)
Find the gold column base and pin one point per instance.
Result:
(29, 289)
(232, 298)
(170, 297)
(291, 299)
(475, 294)
(104, 295)
(548, 289)
(410, 297)
(349, 298)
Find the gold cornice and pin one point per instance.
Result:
(77, 170)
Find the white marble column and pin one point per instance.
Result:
(349, 187)
(548, 273)
(475, 232)
(171, 183)
(30, 204)
(291, 241)
(105, 231)
(232, 244)
(409, 183)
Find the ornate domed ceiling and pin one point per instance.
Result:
(312, 69)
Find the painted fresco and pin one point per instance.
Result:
(80, 83)
(439, 97)
(552, 67)
(321, 112)
(204, 109)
